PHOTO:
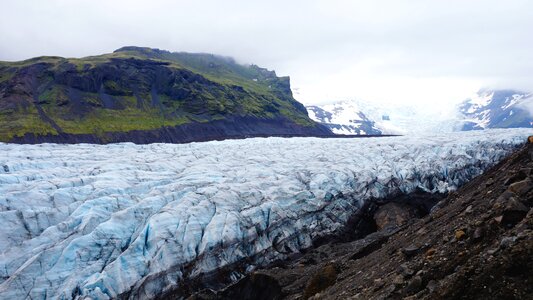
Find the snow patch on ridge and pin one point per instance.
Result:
(97, 221)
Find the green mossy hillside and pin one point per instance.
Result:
(137, 89)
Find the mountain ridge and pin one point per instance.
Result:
(135, 89)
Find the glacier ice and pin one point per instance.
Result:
(97, 221)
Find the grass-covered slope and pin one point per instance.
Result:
(113, 97)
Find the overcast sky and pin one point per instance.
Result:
(434, 52)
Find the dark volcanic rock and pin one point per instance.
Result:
(411, 250)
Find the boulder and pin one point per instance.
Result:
(394, 214)
(323, 279)
(410, 250)
(459, 234)
(414, 285)
(514, 212)
(521, 187)
(520, 175)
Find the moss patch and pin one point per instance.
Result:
(17, 123)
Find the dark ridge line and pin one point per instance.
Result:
(25, 141)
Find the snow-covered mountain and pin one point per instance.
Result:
(343, 118)
(384, 118)
(133, 221)
(486, 109)
(497, 109)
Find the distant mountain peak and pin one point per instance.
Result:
(489, 108)
(343, 118)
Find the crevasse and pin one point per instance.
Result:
(97, 221)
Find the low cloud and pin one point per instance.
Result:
(419, 52)
(528, 105)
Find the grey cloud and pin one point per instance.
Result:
(483, 41)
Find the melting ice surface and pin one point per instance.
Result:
(97, 221)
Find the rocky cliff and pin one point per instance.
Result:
(145, 95)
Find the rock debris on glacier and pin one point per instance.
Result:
(97, 221)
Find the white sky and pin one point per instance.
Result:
(416, 52)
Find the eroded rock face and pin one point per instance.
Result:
(89, 221)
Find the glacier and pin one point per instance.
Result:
(102, 221)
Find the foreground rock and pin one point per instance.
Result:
(476, 244)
